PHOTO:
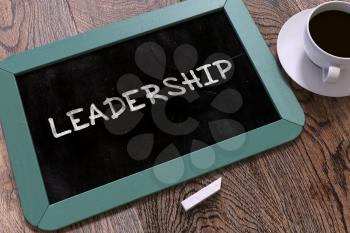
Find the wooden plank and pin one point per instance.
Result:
(124, 219)
(29, 24)
(90, 14)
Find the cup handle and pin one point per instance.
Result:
(331, 74)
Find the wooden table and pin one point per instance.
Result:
(303, 186)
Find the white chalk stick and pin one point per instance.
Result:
(201, 195)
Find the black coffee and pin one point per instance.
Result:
(331, 32)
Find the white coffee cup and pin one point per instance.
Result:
(331, 65)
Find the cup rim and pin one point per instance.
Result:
(308, 28)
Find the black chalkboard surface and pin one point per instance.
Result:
(101, 150)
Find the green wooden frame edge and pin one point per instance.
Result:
(35, 204)
(264, 62)
(88, 204)
(25, 167)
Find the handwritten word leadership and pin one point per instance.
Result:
(152, 93)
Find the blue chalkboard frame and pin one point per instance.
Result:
(29, 182)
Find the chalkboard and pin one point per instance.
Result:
(98, 154)
(127, 110)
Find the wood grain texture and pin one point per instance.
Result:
(303, 186)
(90, 14)
(28, 24)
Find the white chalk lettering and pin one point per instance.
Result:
(207, 73)
(152, 92)
(95, 113)
(189, 82)
(115, 114)
(54, 131)
(221, 70)
(75, 121)
(131, 102)
(152, 95)
(181, 89)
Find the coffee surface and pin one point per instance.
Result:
(330, 31)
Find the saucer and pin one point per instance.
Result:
(290, 49)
